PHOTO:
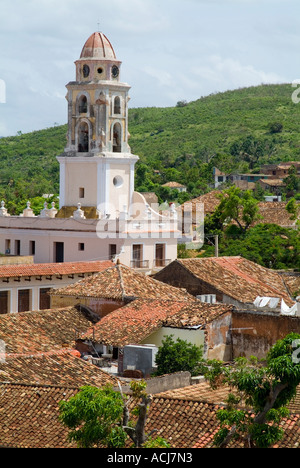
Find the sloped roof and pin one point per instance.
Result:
(64, 368)
(133, 323)
(187, 418)
(237, 277)
(120, 283)
(197, 315)
(29, 416)
(275, 213)
(43, 331)
(42, 269)
(271, 212)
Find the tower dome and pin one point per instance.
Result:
(98, 47)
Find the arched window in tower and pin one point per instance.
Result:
(117, 105)
(83, 106)
(117, 138)
(83, 138)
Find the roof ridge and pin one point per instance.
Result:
(118, 267)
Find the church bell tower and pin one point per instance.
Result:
(97, 167)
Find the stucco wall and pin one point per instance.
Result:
(218, 339)
(254, 333)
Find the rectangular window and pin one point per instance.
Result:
(17, 247)
(112, 251)
(137, 256)
(44, 299)
(4, 301)
(7, 247)
(81, 246)
(31, 247)
(23, 300)
(160, 255)
(58, 252)
(81, 192)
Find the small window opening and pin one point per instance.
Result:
(117, 138)
(81, 192)
(81, 246)
(83, 105)
(83, 138)
(117, 106)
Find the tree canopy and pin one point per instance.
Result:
(260, 395)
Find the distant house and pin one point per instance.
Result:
(272, 185)
(176, 186)
(281, 170)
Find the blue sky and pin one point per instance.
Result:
(171, 50)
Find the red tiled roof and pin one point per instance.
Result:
(42, 269)
(186, 417)
(139, 319)
(237, 277)
(29, 417)
(120, 283)
(43, 331)
(60, 367)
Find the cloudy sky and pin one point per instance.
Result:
(171, 50)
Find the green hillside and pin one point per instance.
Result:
(234, 131)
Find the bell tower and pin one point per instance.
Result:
(97, 167)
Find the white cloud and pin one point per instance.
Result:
(170, 49)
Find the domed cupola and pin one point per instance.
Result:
(98, 47)
(98, 60)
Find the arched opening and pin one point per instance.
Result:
(83, 138)
(117, 138)
(83, 105)
(117, 105)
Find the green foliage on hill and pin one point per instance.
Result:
(234, 131)
(28, 166)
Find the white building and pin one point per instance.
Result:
(101, 217)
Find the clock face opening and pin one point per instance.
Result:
(115, 71)
(86, 71)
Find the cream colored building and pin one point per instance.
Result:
(100, 215)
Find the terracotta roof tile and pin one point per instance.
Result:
(136, 321)
(43, 331)
(238, 278)
(120, 283)
(43, 269)
(63, 368)
(271, 212)
(29, 416)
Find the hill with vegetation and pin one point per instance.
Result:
(235, 131)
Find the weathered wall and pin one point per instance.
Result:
(163, 383)
(101, 307)
(218, 339)
(253, 333)
(177, 275)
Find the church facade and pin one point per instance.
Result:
(100, 215)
